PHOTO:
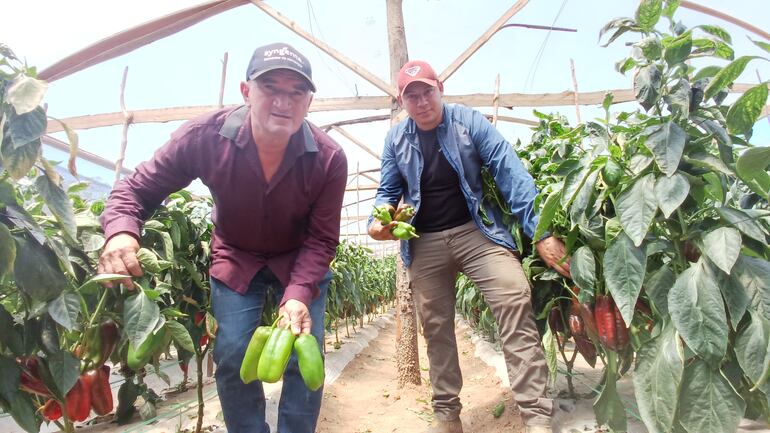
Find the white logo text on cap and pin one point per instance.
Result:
(413, 71)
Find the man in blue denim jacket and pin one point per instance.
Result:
(433, 161)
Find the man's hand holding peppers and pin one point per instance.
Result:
(296, 314)
(384, 231)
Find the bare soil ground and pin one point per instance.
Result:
(366, 397)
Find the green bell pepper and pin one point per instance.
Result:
(404, 231)
(384, 213)
(311, 363)
(253, 351)
(275, 355)
(139, 356)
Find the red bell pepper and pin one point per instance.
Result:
(613, 333)
(78, 399)
(30, 376)
(101, 393)
(51, 410)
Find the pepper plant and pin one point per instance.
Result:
(668, 206)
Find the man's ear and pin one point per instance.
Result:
(441, 87)
(245, 91)
(400, 101)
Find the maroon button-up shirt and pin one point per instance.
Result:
(290, 224)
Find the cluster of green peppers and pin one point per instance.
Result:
(387, 214)
(269, 351)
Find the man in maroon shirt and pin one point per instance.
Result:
(278, 184)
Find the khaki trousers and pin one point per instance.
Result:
(497, 272)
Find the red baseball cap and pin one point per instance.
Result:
(416, 70)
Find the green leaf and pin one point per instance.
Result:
(722, 246)
(65, 370)
(696, 307)
(624, 269)
(552, 204)
(678, 49)
(764, 45)
(180, 334)
(752, 168)
(727, 75)
(671, 7)
(11, 375)
(149, 261)
(36, 271)
(678, 99)
(140, 316)
(648, 14)
(650, 47)
(91, 241)
(743, 114)
(706, 72)
(551, 350)
(743, 222)
(716, 31)
(734, 292)
(10, 335)
(667, 145)
(23, 412)
(670, 192)
(658, 285)
(609, 407)
(582, 200)
(65, 310)
(59, 203)
(647, 82)
(639, 163)
(752, 347)
(607, 102)
(708, 403)
(27, 127)
(706, 160)
(657, 376)
(636, 207)
(572, 184)
(583, 269)
(19, 161)
(754, 276)
(7, 251)
(26, 93)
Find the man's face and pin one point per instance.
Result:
(279, 102)
(423, 104)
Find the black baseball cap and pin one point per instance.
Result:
(279, 55)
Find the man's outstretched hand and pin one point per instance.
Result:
(119, 257)
(552, 251)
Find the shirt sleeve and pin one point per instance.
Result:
(515, 183)
(391, 186)
(135, 197)
(323, 229)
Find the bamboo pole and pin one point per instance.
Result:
(496, 100)
(127, 118)
(222, 82)
(575, 87)
(357, 142)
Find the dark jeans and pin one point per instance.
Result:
(244, 405)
